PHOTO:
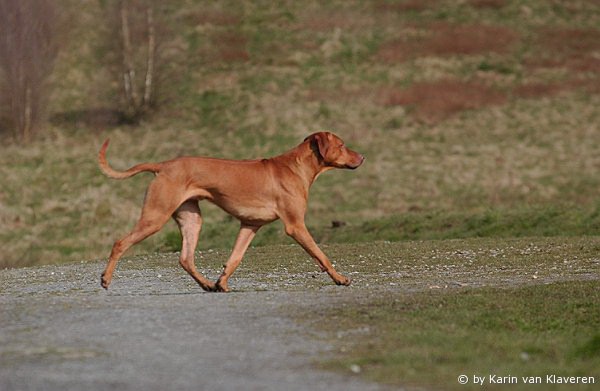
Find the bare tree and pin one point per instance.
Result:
(28, 48)
(133, 36)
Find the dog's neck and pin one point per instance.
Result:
(304, 162)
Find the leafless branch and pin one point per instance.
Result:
(28, 49)
(136, 56)
(150, 58)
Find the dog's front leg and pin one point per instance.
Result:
(298, 231)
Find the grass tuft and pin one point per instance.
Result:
(590, 348)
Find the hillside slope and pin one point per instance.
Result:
(464, 110)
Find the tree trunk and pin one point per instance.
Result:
(27, 119)
(148, 85)
(128, 69)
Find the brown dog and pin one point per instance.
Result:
(256, 192)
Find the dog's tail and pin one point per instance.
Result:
(111, 172)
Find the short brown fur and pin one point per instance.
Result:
(256, 192)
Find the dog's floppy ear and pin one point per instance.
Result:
(321, 141)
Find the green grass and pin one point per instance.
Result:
(550, 220)
(430, 338)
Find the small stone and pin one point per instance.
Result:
(355, 368)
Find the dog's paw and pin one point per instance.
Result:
(104, 282)
(210, 287)
(345, 281)
(221, 286)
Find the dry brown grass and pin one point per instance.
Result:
(214, 17)
(324, 22)
(495, 4)
(320, 20)
(468, 39)
(450, 39)
(586, 64)
(578, 63)
(538, 90)
(571, 41)
(405, 5)
(317, 94)
(304, 45)
(573, 49)
(437, 100)
(231, 46)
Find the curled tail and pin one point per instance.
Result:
(110, 172)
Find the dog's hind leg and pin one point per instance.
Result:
(159, 205)
(242, 242)
(189, 220)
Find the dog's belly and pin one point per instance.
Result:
(247, 212)
(254, 215)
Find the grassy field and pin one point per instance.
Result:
(477, 118)
(430, 338)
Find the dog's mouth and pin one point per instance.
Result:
(355, 165)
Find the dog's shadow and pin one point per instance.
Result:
(123, 294)
(189, 293)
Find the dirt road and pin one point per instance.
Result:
(154, 333)
(155, 330)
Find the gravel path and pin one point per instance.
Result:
(155, 330)
(149, 334)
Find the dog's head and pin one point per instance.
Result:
(331, 150)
